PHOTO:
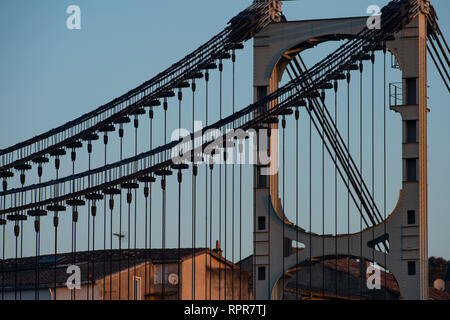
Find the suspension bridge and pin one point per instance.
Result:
(307, 164)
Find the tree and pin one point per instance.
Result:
(437, 268)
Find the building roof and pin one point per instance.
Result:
(247, 265)
(96, 264)
(352, 267)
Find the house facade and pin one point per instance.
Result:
(156, 274)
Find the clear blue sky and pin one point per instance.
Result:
(50, 75)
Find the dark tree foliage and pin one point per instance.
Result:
(437, 268)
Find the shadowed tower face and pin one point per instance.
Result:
(406, 227)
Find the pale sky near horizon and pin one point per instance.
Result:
(50, 75)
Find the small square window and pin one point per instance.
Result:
(411, 268)
(411, 217)
(261, 223)
(262, 273)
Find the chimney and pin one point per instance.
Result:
(217, 249)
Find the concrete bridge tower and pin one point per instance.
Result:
(407, 225)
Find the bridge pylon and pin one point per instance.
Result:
(406, 228)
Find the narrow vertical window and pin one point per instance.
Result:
(411, 133)
(137, 288)
(261, 223)
(262, 93)
(411, 217)
(411, 268)
(411, 169)
(262, 273)
(262, 179)
(411, 91)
